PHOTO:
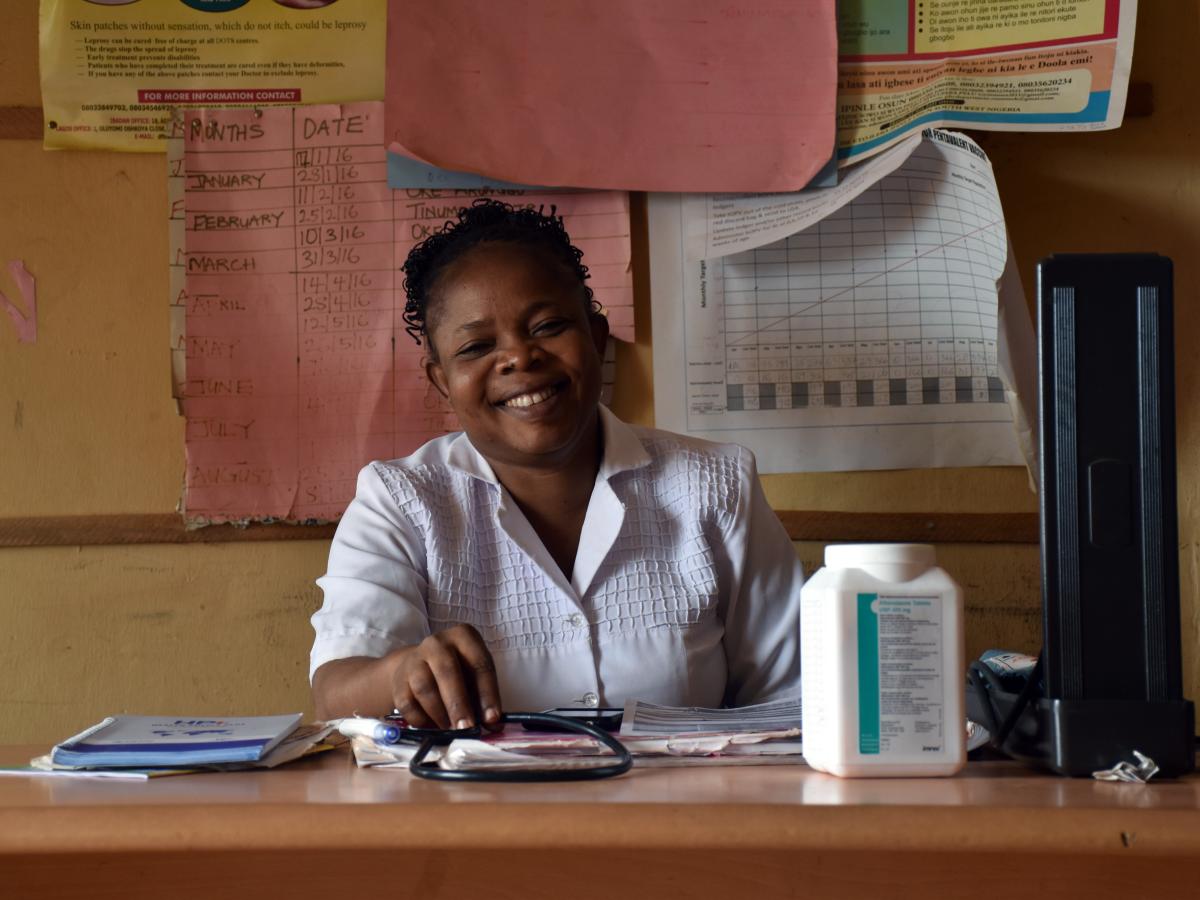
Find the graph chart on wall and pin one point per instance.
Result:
(868, 340)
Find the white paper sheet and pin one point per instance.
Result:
(867, 341)
(777, 718)
(721, 224)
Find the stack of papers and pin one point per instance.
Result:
(655, 735)
(641, 718)
(688, 735)
(143, 747)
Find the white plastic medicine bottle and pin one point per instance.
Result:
(882, 675)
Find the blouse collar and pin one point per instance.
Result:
(623, 451)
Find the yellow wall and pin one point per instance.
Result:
(87, 425)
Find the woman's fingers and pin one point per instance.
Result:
(443, 660)
(417, 696)
(479, 669)
(448, 681)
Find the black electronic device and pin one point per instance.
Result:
(1109, 679)
(605, 718)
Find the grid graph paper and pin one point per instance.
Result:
(889, 301)
(872, 339)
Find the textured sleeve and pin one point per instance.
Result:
(762, 618)
(375, 584)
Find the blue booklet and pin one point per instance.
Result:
(174, 741)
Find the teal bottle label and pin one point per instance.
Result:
(868, 674)
(901, 700)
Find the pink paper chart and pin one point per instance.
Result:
(299, 370)
(647, 95)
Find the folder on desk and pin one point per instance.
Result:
(174, 741)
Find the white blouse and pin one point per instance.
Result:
(685, 590)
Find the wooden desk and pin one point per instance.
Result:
(322, 828)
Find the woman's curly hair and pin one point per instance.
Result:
(484, 221)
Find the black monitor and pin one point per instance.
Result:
(1110, 671)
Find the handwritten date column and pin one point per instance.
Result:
(344, 276)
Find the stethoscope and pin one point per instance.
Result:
(428, 738)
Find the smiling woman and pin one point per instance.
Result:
(549, 553)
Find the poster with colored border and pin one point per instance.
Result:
(997, 65)
(112, 70)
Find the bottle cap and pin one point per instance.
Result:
(890, 561)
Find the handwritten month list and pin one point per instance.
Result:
(298, 368)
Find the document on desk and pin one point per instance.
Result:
(892, 333)
(293, 366)
(643, 719)
(767, 734)
(305, 740)
(42, 768)
(149, 741)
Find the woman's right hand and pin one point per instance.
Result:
(446, 681)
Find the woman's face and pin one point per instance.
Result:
(517, 354)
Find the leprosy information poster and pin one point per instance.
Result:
(996, 65)
(112, 70)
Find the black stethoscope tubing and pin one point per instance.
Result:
(433, 772)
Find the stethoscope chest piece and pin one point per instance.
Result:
(430, 738)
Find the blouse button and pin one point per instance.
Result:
(575, 620)
(591, 699)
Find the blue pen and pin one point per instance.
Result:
(372, 728)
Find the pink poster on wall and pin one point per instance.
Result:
(298, 368)
(651, 95)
